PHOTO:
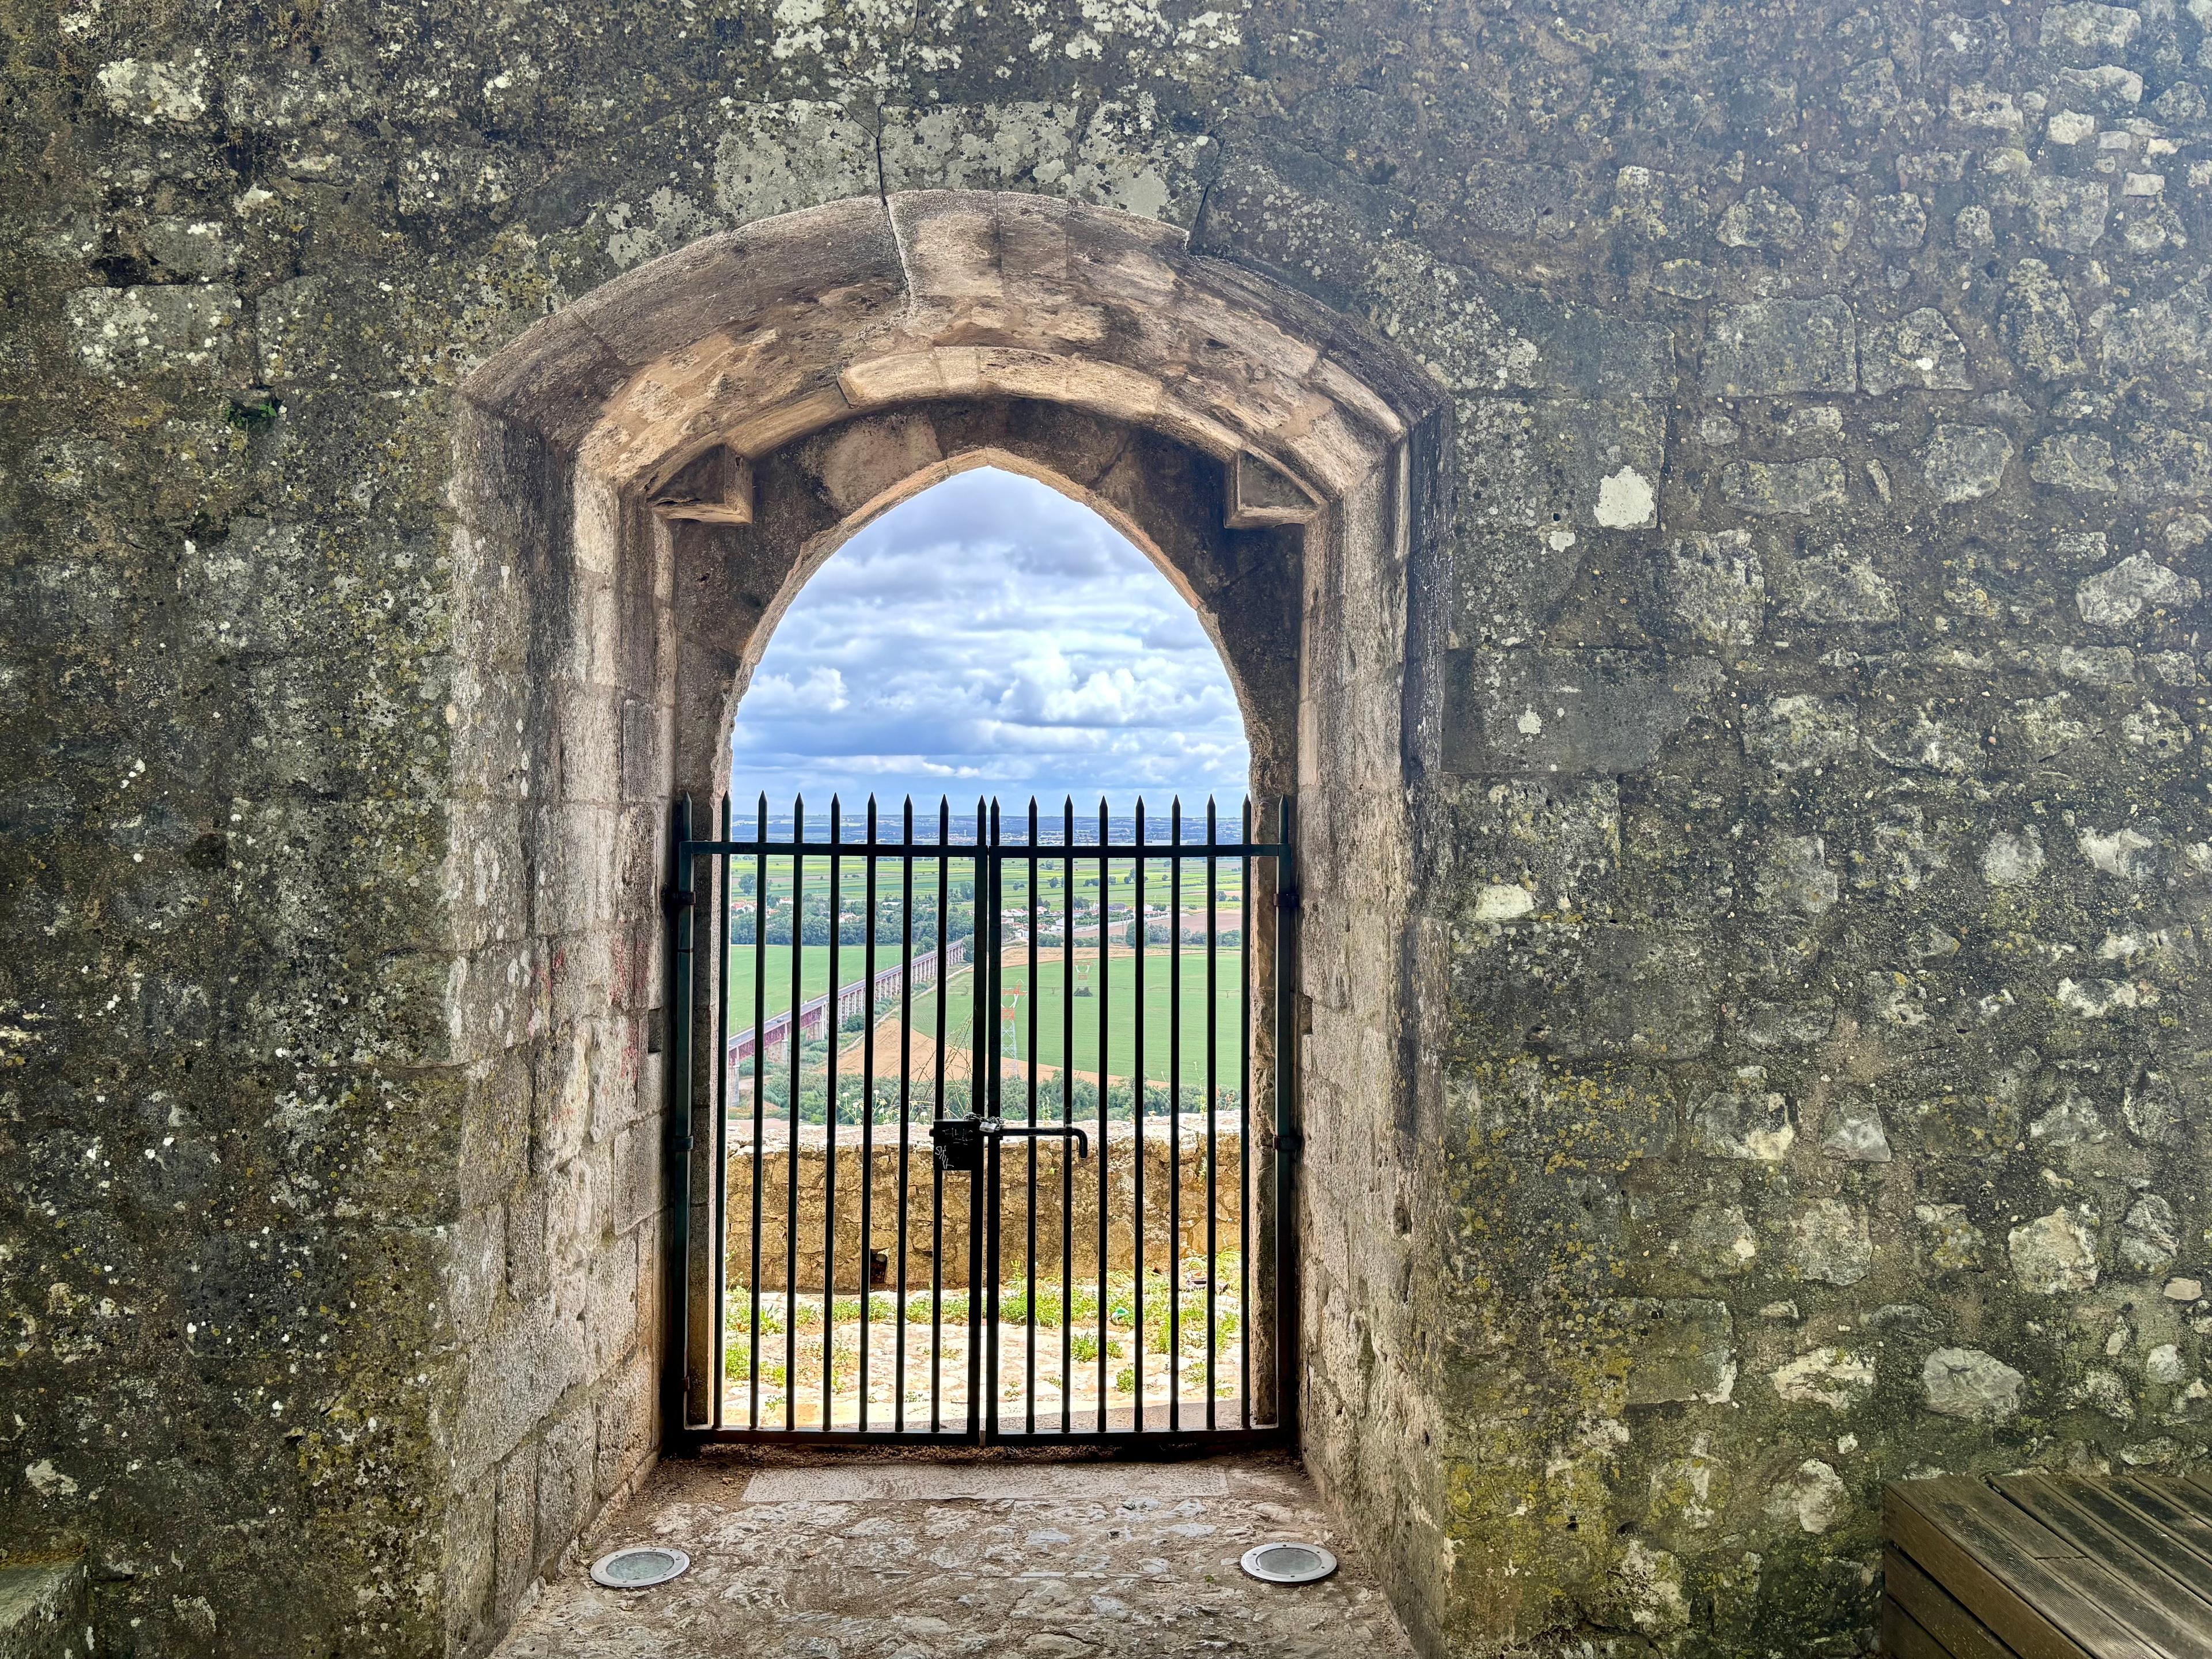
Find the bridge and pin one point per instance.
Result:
(860, 996)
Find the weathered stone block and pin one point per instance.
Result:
(190, 332)
(1674, 1350)
(1854, 1131)
(1111, 156)
(2083, 31)
(1572, 713)
(1796, 488)
(255, 589)
(1954, 1242)
(1718, 1243)
(1747, 1122)
(2054, 1253)
(611, 1304)
(1921, 350)
(1792, 876)
(1771, 347)
(1762, 217)
(1524, 845)
(1829, 1242)
(531, 1356)
(2120, 596)
(1770, 1025)
(1897, 221)
(1607, 459)
(1715, 588)
(1798, 733)
(1972, 1383)
(1832, 1377)
(478, 1270)
(495, 1132)
(42, 1610)
(2150, 1236)
(514, 1537)
(568, 1493)
(2107, 89)
(2068, 214)
(2039, 325)
(1836, 587)
(627, 1422)
(2079, 461)
(472, 1556)
(1964, 463)
(1616, 991)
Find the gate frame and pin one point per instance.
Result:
(680, 901)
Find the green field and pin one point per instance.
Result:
(1052, 897)
(814, 974)
(1121, 1005)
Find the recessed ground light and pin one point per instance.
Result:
(640, 1566)
(1289, 1563)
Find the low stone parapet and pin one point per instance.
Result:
(1174, 1164)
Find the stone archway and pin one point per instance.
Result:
(643, 480)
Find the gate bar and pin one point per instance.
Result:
(1287, 1140)
(759, 1050)
(677, 899)
(719, 1315)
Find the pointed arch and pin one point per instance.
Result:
(642, 479)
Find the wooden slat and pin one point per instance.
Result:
(1998, 1563)
(2120, 1569)
(1936, 1612)
(2196, 1491)
(1903, 1638)
(2185, 1585)
(2154, 1498)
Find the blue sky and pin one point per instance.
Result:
(989, 636)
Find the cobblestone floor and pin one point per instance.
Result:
(885, 1562)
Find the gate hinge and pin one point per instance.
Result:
(1286, 898)
(679, 1143)
(1290, 1143)
(676, 898)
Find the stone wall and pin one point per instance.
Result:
(1179, 1193)
(1804, 1080)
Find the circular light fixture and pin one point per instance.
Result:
(1291, 1563)
(640, 1566)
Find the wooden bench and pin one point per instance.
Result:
(2049, 1567)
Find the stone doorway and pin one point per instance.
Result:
(644, 481)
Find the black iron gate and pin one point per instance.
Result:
(945, 1199)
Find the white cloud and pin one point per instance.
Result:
(772, 695)
(993, 636)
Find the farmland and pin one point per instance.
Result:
(1055, 896)
(1119, 1005)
